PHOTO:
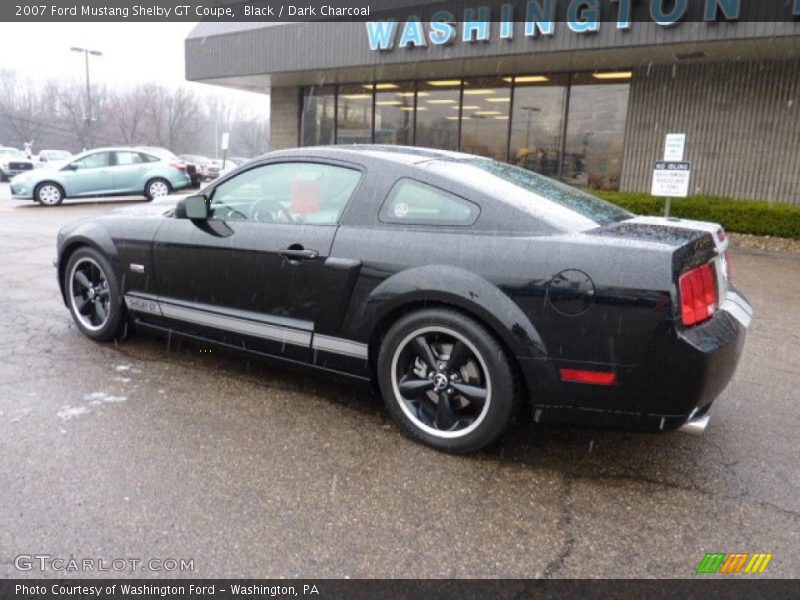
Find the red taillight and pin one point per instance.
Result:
(699, 295)
(179, 166)
(596, 377)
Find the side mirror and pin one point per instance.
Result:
(71, 167)
(192, 207)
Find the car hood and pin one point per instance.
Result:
(156, 208)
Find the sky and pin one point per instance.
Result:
(133, 53)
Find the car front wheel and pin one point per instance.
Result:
(49, 194)
(447, 380)
(93, 294)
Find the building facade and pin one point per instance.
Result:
(589, 107)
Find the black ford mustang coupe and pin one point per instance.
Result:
(467, 289)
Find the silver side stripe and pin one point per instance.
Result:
(245, 327)
(340, 346)
(162, 307)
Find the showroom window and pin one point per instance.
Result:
(596, 131)
(319, 116)
(485, 116)
(354, 114)
(438, 114)
(394, 113)
(537, 123)
(566, 126)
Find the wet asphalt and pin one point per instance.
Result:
(143, 450)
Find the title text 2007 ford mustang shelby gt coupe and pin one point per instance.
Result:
(466, 288)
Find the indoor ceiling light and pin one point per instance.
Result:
(445, 82)
(410, 108)
(452, 118)
(383, 86)
(488, 113)
(389, 103)
(357, 96)
(613, 75)
(478, 92)
(440, 101)
(498, 99)
(470, 107)
(528, 79)
(502, 118)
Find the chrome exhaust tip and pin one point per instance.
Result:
(695, 425)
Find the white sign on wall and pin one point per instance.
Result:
(671, 179)
(675, 147)
(225, 140)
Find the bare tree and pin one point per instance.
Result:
(73, 112)
(23, 106)
(174, 117)
(129, 111)
(250, 137)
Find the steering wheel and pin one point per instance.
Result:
(231, 213)
(277, 213)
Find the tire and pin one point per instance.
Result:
(157, 187)
(459, 406)
(100, 324)
(48, 193)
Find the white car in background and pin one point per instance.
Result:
(13, 162)
(53, 158)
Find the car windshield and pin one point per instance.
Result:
(11, 152)
(539, 186)
(57, 154)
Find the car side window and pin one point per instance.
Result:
(414, 203)
(125, 159)
(93, 161)
(301, 193)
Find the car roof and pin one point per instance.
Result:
(407, 155)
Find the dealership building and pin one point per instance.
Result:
(587, 102)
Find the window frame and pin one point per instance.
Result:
(294, 160)
(383, 209)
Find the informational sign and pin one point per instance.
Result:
(225, 139)
(671, 179)
(674, 147)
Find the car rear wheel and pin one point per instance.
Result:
(93, 294)
(156, 188)
(49, 194)
(447, 380)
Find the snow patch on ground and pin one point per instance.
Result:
(67, 412)
(100, 398)
(93, 400)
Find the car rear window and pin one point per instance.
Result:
(531, 189)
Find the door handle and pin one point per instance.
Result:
(297, 252)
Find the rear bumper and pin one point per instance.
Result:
(682, 373)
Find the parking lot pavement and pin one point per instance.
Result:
(151, 450)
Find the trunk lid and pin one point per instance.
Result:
(695, 243)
